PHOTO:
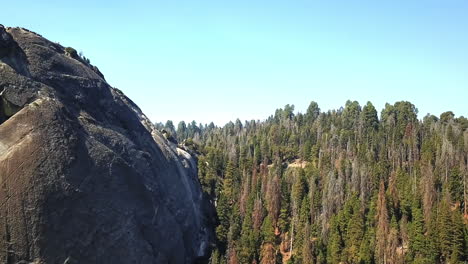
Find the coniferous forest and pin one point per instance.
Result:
(344, 186)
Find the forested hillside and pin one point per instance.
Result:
(343, 186)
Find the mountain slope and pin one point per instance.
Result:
(84, 175)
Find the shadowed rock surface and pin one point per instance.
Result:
(84, 175)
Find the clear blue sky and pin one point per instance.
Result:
(219, 60)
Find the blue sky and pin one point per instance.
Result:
(222, 60)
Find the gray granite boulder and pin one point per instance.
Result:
(84, 176)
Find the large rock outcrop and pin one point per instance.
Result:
(84, 175)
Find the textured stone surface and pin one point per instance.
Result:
(84, 175)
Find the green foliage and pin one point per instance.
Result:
(417, 246)
(444, 227)
(351, 115)
(71, 52)
(268, 231)
(456, 185)
(354, 236)
(283, 221)
(298, 188)
(247, 241)
(339, 187)
(222, 209)
(335, 242)
(463, 122)
(369, 117)
(446, 117)
(458, 244)
(313, 112)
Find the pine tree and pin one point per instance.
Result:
(354, 237)
(268, 231)
(230, 182)
(444, 230)
(365, 250)
(369, 118)
(301, 238)
(307, 250)
(457, 248)
(223, 211)
(417, 246)
(247, 240)
(456, 185)
(335, 243)
(214, 259)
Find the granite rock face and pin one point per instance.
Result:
(84, 175)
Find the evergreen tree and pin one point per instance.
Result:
(445, 230)
(336, 186)
(458, 250)
(417, 246)
(355, 233)
(369, 117)
(335, 243)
